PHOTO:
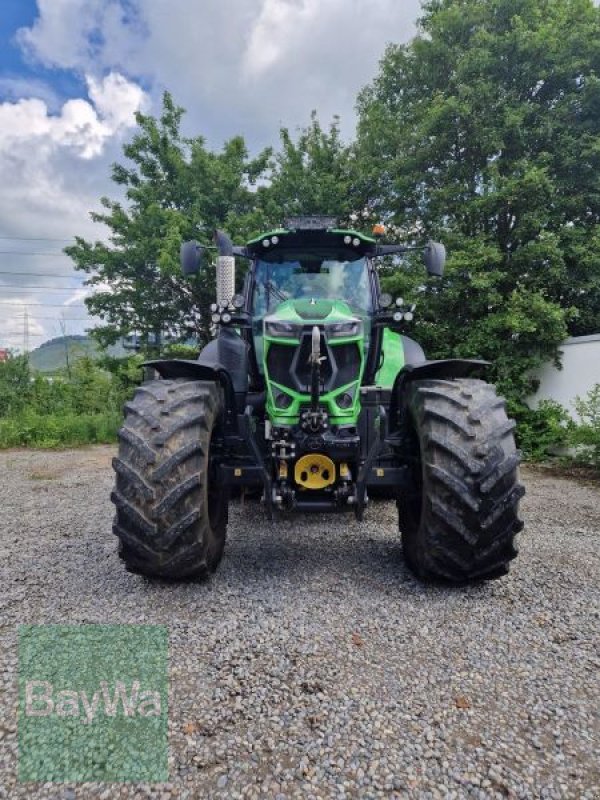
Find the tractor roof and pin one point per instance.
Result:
(318, 232)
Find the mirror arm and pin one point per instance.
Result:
(392, 249)
(241, 252)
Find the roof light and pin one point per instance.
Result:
(347, 239)
(216, 318)
(355, 242)
(398, 316)
(311, 223)
(226, 318)
(274, 239)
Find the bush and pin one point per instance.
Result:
(83, 407)
(543, 430)
(585, 435)
(30, 429)
(15, 385)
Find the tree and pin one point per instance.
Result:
(484, 131)
(175, 189)
(15, 384)
(314, 174)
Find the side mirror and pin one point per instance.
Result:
(190, 257)
(434, 256)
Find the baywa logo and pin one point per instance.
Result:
(41, 700)
(93, 703)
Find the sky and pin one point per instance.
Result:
(74, 72)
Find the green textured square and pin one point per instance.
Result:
(93, 703)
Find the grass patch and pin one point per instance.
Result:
(54, 431)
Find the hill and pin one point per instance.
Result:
(51, 355)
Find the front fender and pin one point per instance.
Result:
(194, 370)
(436, 370)
(183, 368)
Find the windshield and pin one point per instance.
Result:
(311, 276)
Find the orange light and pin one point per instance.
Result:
(378, 230)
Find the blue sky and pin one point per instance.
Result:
(74, 72)
(16, 69)
(15, 14)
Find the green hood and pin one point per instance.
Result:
(285, 360)
(316, 310)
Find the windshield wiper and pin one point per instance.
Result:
(273, 290)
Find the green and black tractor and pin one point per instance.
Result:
(312, 395)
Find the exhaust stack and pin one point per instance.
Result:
(225, 269)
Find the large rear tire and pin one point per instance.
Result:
(459, 517)
(171, 515)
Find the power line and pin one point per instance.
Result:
(39, 274)
(36, 239)
(30, 253)
(20, 333)
(42, 305)
(47, 288)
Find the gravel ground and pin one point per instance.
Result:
(313, 664)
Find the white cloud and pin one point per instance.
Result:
(81, 126)
(64, 32)
(53, 169)
(116, 100)
(278, 24)
(237, 66)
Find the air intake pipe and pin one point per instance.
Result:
(225, 269)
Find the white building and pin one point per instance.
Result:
(580, 358)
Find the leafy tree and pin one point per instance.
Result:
(15, 384)
(312, 174)
(175, 189)
(484, 131)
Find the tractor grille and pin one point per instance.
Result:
(289, 366)
(301, 365)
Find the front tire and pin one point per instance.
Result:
(459, 517)
(171, 516)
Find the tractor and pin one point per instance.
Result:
(312, 396)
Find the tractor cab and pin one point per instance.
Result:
(311, 281)
(300, 279)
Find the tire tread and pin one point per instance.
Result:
(468, 516)
(162, 516)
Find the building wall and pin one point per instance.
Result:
(580, 357)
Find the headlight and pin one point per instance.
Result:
(287, 329)
(337, 330)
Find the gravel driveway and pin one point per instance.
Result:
(313, 663)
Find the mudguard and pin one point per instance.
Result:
(187, 368)
(445, 368)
